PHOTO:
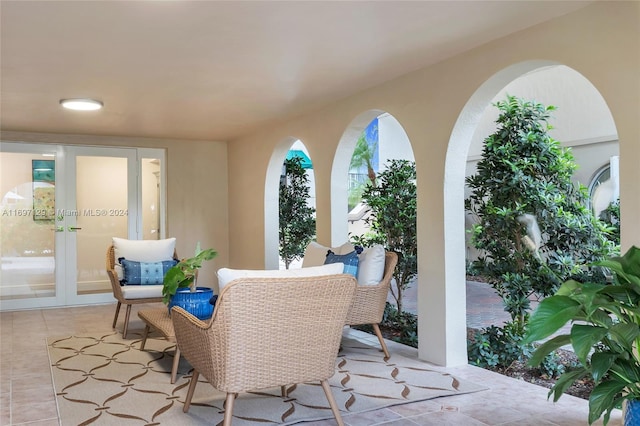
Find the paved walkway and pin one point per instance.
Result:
(484, 306)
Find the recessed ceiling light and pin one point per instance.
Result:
(81, 104)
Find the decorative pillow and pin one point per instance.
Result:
(142, 251)
(315, 253)
(350, 261)
(144, 273)
(371, 267)
(226, 275)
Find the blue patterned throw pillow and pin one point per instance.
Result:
(143, 273)
(350, 261)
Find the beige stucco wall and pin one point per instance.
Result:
(601, 41)
(197, 184)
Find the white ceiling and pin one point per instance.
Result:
(215, 70)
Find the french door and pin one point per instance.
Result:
(61, 206)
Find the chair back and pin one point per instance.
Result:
(268, 332)
(370, 300)
(110, 263)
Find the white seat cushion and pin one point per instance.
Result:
(315, 254)
(226, 275)
(141, 291)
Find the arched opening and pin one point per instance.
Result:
(582, 122)
(393, 143)
(271, 196)
(385, 140)
(531, 80)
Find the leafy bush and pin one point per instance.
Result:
(405, 322)
(534, 229)
(297, 222)
(551, 366)
(393, 220)
(498, 347)
(611, 216)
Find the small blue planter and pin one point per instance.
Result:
(196, 303)
(632, 413)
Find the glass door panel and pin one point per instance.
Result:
(150, 180)
(101, 204)
(28, 226)
(102, 213)
(61, 205)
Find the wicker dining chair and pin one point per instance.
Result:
(267, 333)
(129, 296)
(370, 300)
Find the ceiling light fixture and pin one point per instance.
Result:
(79, 104)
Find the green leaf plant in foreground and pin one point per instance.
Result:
(184, 273)
(605, 333)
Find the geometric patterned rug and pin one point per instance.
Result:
(105, 380)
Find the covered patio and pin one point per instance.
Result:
(28, 395)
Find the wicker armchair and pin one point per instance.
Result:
(265, 333)
(149, 294)
(369, 302)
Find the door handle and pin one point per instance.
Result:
(73, 229)
(58, 229)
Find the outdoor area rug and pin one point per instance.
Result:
(105, 380)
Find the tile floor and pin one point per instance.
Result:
(26, 391)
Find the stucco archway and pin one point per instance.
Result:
(271, 201)
(454, 310)
(390, 130)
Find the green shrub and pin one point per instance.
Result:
(498, 347)
(534, 229)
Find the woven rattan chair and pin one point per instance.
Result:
(266, 333)
(369, 302)
(127, 299)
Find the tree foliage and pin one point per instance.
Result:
(297, 225)
(611, 216)
(363, 155)
(393, 220)
(524, 174)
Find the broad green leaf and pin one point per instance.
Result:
(551, 314)
(626, 370)
(617, 403)
(568, 287)
(601, 363)
(602, 398)
(631, 261)
(565, 381)
(618, 292)
(625, 273)
(547, 347)
(625, 334)
(584, 337)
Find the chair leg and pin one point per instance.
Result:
(174, 367)
(283, 390)
(126, 322)
(228, 408)
(332, 402)
(192, 388)
(376, 329)
(144, 337)
(115, 317)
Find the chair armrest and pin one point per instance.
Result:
(194, 338)
(115, 285)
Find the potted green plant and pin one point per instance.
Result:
(605, 334)
(180, 285)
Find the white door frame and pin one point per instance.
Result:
(65, 242)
